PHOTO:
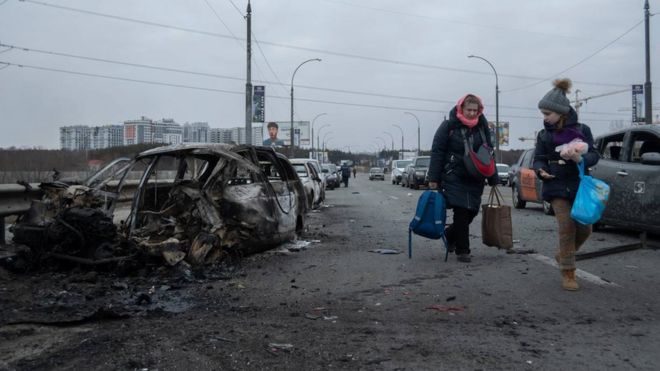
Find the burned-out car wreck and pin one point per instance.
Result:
(192, 202)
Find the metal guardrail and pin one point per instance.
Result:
(16, 199)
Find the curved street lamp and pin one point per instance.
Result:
(391, 137)
(419, 147)
(497, 107)
(292, 77)
(312, 130)
(384, 143)
(318, 141)
(400, 158)
(325, 135)
(325, 142)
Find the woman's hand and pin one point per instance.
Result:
(544, 174)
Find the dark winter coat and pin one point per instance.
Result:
(345, 171)
(447, 168)
(567, 178)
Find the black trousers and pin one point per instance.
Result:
(458, 233)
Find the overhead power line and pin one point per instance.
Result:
(313, 50)
(580, 62)
(455, 21)
(212, 75)
(158, 83)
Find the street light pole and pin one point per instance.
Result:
(317, 116)
(648, 102)
(391, 137)
(318, 141)
(291, 147)
(497, 108)
(419, 148)
(248, 82)
(401, 157)
(384, 143)
(324, 136)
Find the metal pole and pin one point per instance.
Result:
(392, 138)
(497, 108)
(419, 147)
(648, 101)
(312, 128)
(291, 147)
(384, 143)
(248, 83)
(318, 141)
(401, 157)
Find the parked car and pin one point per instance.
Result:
(404, 174)
(311, 181)
(526, 186)
(417, 172)
(376, 173)
(398, 167)
(512, 170)
(630, 165)
(503, 173)
(317, 167)
(331, 176)
(218, 197)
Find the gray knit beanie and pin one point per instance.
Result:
(555, 100)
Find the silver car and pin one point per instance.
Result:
(398, 167)
(311, 182)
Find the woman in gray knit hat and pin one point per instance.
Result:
(559, 173)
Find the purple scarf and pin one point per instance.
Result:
(566, 135)
(569, 132)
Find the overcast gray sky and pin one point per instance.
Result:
(380, 58)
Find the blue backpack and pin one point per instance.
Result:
(429, 220)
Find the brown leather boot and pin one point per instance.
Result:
(568, 280)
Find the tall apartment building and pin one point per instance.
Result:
(197, 132)
(106, 136)
(238, 135)
(76, 137)
(138, 131)
(167, 131)
(220, 135)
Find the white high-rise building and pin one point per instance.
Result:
(138, 131)
(167, 131)
(197, 132)
(76, 137)
(220, 135)
(238, 135)
(106, 136)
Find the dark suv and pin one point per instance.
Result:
(417, 172)
(630, 164)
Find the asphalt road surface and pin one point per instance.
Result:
(336, 304)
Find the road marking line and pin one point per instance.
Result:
(578, 272)
(394, 197)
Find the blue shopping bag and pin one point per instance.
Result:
(591, 198)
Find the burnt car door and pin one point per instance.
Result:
(279, 190)
(107, 183)
(634, 178)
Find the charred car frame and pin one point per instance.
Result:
(192, 202)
